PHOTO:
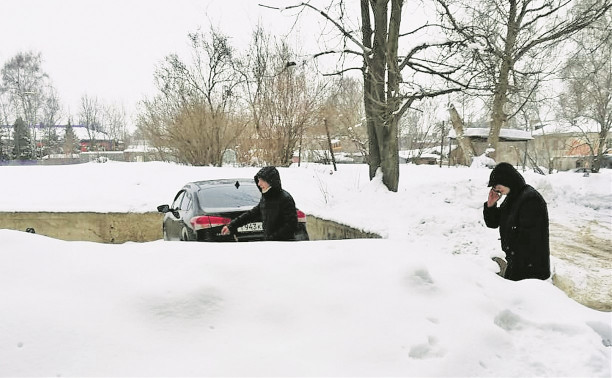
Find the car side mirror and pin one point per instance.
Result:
(166, 209)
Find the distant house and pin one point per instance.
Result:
(512, 147)
(316, 149)
(567, 145)
(88, 141)
(92, 140)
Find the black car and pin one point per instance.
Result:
(201, 209)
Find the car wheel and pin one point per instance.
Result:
(184, 235)
(301, 235)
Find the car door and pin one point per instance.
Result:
(185, 214)
(173, 224)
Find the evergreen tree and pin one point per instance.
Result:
(3, 155)
(71, 142)
(51, 142)
(4, 144)
(22, 142)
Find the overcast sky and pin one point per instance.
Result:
(109, 48)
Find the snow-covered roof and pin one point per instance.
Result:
(429, 152)
(79, 130)
(577, 126)
(504, 134)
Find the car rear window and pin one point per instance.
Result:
(228, 196)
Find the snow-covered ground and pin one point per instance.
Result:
(423, 301)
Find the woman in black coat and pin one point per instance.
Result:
(522, 219)
(276, 209)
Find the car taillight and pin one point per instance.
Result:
(301, 216)
(207, 221)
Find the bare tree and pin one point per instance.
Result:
(24, 81)
(115, 123)
(588, 84)
(283, 97)
(51, 112)
(6, 113)
(90, 115)
(512, 41)
(418, 126)
(391, 80)
(345, 113)
(196, 112)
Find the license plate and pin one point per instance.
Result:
(251, 227)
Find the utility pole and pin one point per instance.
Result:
(441, 143)
(300, 149)
(331, 150)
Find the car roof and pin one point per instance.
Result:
(217, 182)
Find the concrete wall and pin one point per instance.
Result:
(137, 227)
(322, 229)
(97, 227)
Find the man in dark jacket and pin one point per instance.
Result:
(276, 209)
(522, 219)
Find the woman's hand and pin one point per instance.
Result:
(494, 196)
(225, 230)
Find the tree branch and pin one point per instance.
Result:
(343, 71)
(365, 49)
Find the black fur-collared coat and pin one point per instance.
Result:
(276, 209)
(523, 224)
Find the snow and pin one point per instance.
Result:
(483, 161)
(140, 146)
(422, 301)
(483, 132)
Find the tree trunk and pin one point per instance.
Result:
(465, 144)
(390, 166)
(374, 153)
(390, 155)
(500, 97)
(603, 134)
(498, 116)
(379, 106)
